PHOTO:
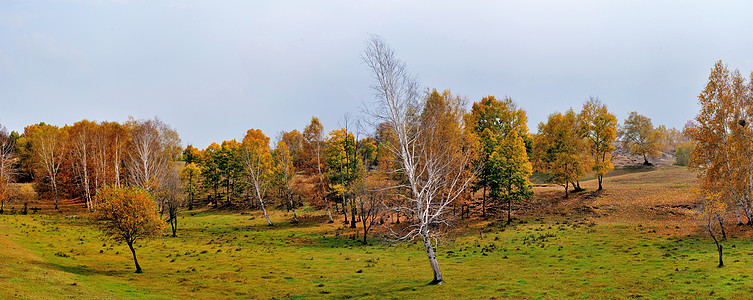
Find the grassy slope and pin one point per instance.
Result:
(631, 240)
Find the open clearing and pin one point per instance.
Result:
(638, 238)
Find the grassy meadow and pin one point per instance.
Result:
(638, 238)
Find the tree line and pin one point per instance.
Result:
(407, 163)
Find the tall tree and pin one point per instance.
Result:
(80, 135)
(558, 150)
(723, 137)
(313, 137)
(210, 170)
(428, 145)
(342, 166)
(127, 214)
(599, 128)
(152, 147)
(8, 170)
(191, 154)
(640, 136)
(492, 120)
(257, 162)
(189, 175)
(49, 148)
(171, 192)
(283, 174)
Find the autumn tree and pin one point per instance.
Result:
(230, 167)
(343, 167)
(294, 141)
(283, 174)
(8, 170)
(127, 214)
(372, 191)
(257, 162)
(712, 215)
(683, 153)
(210, 170)
(558, 150)
(171, 193)
(153, 145)
(723, 138)
(313, 144)
(80, 135)
(191, 154)
(640, 137)
(428, 145)
(599, 128)
(189, 176)
(49, 148)
(503, 169)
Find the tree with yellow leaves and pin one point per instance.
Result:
(257, 162)
(558, 150)
(723, 137)
(503, 168)
(599, 128)
(640, 137)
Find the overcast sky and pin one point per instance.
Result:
(213, 69)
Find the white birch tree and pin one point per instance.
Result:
(428, 145)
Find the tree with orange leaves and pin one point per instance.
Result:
(127, 214)
(723, 137)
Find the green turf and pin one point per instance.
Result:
(234, 255)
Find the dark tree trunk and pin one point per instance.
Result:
(721, 225)
(601, 178)
(567, 185)
(483, 204)
(136, 261)
(509, 210)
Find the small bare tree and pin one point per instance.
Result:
(171, 192)
(427, 143)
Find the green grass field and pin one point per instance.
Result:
(642, 244)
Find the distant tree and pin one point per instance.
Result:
(49, 148)
(210, 170)
(599, 128)
(153, 145)
(230, 167)
(257, 162)
(171, 192)
(283, 174)
(558, 150)
(372, 189)
(428, 144)
(343, 167)
(683, 153)
(294, 141)
(189, 175)
(640, 136)
(8, 170)
(191, 154)
(79, 139)
(313, 141)
(127, 214)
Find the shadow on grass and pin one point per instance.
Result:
(81, 269)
